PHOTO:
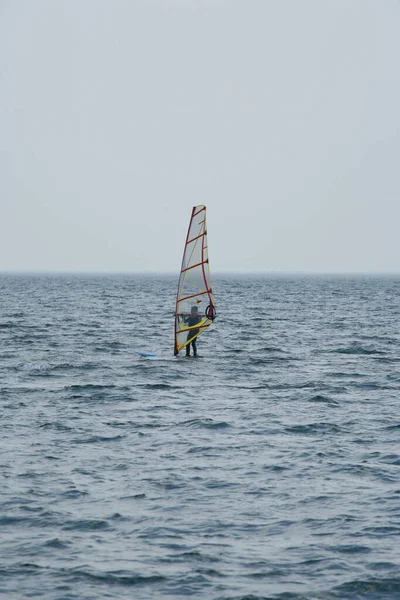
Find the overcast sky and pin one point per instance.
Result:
(118, 116)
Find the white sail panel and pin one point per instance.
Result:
(195, 295)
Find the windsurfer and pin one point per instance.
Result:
(192, 320)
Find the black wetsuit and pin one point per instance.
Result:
(191, 321)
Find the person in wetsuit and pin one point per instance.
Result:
(192, 320)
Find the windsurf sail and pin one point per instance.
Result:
(195, 306)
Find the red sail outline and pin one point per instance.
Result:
(196, 284)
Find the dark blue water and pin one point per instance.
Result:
(267, 468)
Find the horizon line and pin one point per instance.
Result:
(175, 273)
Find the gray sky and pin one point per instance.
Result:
(118, 116)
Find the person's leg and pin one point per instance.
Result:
(188, 345)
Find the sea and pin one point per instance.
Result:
(266, 468)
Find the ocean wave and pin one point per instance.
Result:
(206, 423)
